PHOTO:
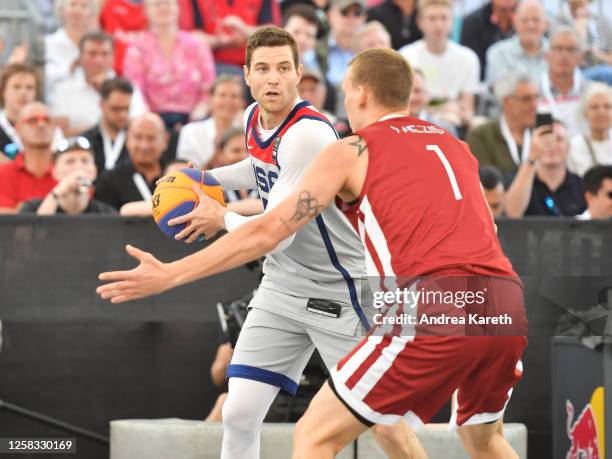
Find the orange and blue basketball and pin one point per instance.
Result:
(174, 196)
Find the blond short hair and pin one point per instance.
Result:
(386, 74)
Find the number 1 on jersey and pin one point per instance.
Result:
(449, 170)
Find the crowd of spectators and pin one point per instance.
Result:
(126, 87)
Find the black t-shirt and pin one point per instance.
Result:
(94, 207)
(479, 33)
(403, 29)
(116, 187)
(567, 200)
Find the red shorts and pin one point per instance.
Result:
(389, 378)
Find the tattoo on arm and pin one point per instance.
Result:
(361, 145)
(306, 207)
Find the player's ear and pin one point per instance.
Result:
(247, 78)
(361, 95)
(299, 71)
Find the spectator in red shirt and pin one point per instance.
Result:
(226, 25)
(30, 174)
(123, 19)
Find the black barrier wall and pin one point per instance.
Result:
(71, 356)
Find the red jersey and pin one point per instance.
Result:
(117, 17)
(17, 184)
(422, 209)
(252, 12)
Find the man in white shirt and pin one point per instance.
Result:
(75, 102)
(562, 86)
(197, 140)
(598, 193)
(452, 71)
(524, 51)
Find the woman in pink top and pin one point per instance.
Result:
(173, 70)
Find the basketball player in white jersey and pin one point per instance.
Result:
(310, 294)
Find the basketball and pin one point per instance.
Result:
(174, 196)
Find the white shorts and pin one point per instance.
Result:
(274, 349)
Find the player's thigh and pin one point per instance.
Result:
(483, 395)
(333, 346)
(327, 420)
(272, 349)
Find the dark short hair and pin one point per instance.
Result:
(271, 36)
(303, 10)
(490, 177)
(97, 36)
(13, 69)
(116, 84)
(595, 176)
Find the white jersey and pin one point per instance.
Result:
(325, 260)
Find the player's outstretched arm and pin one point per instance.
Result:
(327, 177)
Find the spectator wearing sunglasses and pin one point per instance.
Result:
(75, 171)
(30, 175)
(598, 193)
(344, 16)
(543, 185)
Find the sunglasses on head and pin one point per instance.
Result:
(72, 143)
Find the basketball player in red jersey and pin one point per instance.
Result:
(414, 195)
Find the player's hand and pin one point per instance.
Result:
(207, 219)
(150, 277)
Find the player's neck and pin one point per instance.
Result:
(269, 120)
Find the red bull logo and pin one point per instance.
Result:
(586, 434)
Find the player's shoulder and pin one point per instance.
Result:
(248, 113)
(311, 126)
